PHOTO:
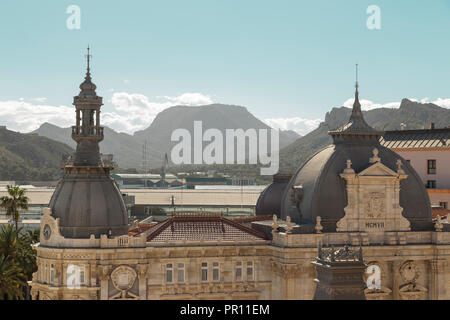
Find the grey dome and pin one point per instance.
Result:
(86, 200)
(89, 204)
(320, 191)
(324, 192)
(269, 201)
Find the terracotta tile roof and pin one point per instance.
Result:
(142, 227)
(409, 139)
(440, 211)
(206, 227)
(247, 221)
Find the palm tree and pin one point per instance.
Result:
(12, 280)
(15, 202)
(17, 262)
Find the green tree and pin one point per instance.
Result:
(17, 261)
(12, 280)
(15, 202)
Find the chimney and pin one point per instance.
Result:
(432, 126)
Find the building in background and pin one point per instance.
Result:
(428, 152)
(147, 181)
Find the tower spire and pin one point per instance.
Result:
(356, 112)
(88, 56)
(356, 128)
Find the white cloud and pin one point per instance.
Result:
(191, 99)
(444, 103)
(131, 111)
(369, 105)
(299, 125)
(24, 117)
(40, 100)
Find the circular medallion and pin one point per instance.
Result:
(123, 278)
(409, 271)
(47, 232)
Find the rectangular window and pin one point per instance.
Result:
(169, 273)
(180, 272)
(216, 271)
(443, 205)
(52, 273)
(249, 270)
(431, 166)
(238, 271)
(42, 272)
(82, 275)
(204, 271)
(431, 184)
(45, 274)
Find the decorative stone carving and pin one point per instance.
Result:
(412, 291)
(104, 272)
(373, 199)
(399, 167)
(409, 272)
(349, 168)
(123, 278)
(438, 226)
(318, 226)
(288, 226)
(275, 225)
(375, 157)
(375, 206)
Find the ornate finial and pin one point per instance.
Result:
(375, 157)
(399, 167)
(319, 226)
(438, 226)
(356, 112)
(288, 227)
(275, 224)
(88, 56)
(349, 169)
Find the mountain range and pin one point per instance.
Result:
(413, 115)
(37, 156)
(29, 157)
(128, 149)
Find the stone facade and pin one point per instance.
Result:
(410, 265)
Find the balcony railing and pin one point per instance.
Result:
(87, 131)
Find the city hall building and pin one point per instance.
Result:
(355, 192)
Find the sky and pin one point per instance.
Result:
(288, 62)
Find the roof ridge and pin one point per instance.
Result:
(244, 228)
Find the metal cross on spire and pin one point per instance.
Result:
(356, 76)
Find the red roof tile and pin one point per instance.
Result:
(202, 227)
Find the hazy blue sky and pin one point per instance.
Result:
(280, 59)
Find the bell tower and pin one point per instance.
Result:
(87, 132)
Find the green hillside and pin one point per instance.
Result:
(27, 157)
(413, 114)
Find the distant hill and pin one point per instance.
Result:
(128, 149)
(413, 114)
(29, 157)
(218, 116)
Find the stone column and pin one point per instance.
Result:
(104, 271)
(395, 266)
(97, 118)
(78, 118)
(437, 285)
(142, 276)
